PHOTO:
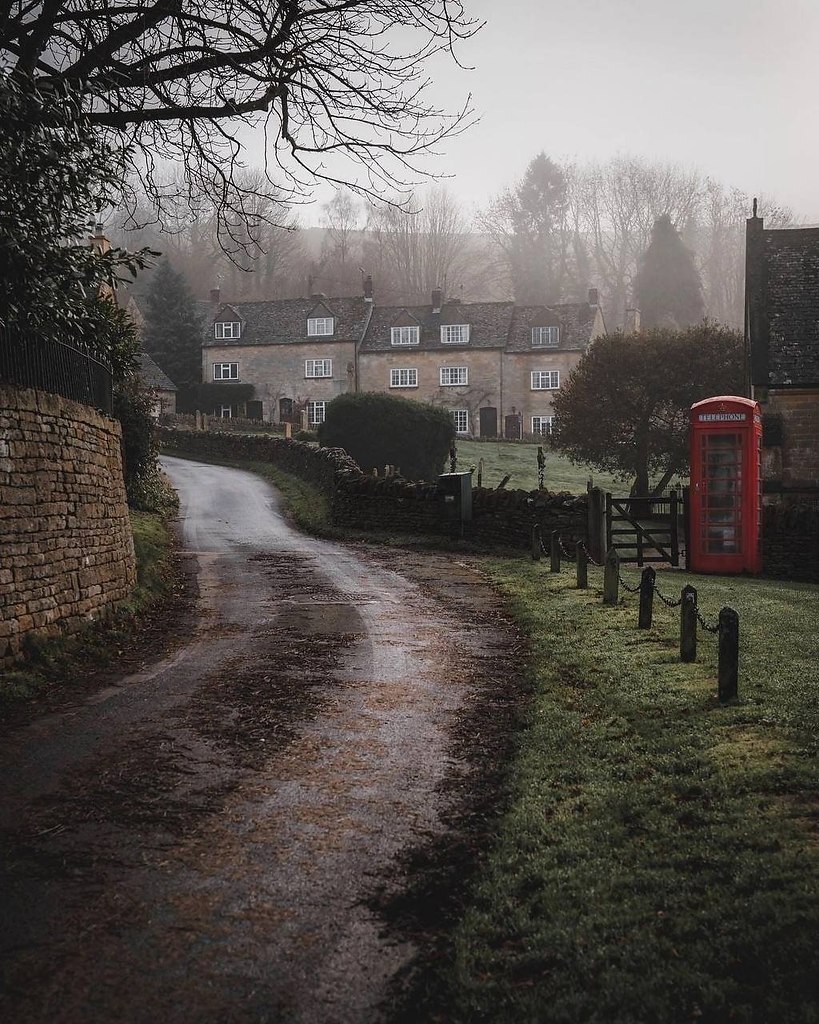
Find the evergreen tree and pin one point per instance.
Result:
(667, 287)
(531, 226)
(173, 326)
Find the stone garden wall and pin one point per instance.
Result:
(66, 548)
(499, 517)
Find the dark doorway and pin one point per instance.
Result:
(285, 410)
(513, 426)
(254, 410)
(489, 422)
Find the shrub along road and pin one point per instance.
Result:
(227, 833)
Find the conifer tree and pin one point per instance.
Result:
(173, 326)
(667, 287)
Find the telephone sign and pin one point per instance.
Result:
(725, 528)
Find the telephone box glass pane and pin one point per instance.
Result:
(721, 525)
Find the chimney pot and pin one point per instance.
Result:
(214, 296)
(593, 297)
(437, 300)
(368, 288)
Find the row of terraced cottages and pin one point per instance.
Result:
(494, 365)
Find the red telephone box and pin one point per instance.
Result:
(725, 508)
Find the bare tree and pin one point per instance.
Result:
(617, 205)
(338, 86)
(411, 252)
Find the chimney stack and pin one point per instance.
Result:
(214, 296)
(632, 324)
(594, 299)
(368, 288)
(437, 300)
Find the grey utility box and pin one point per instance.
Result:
(455, 490)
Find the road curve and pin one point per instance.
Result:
(201, 840)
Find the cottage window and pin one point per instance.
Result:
(451, 375)
(461, 418)
(318, 326)
(545, 380)
(542, 424)
(404, 378)
(455, 334)
(545, 337)
(318, 368)
(227, 329)
(315, 413)
(405, 335)
(225, 371)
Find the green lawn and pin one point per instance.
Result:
(519, 460)
(660, 858)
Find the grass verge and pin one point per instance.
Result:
(660, 858)
(57, 661)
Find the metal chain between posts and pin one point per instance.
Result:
(666, 600)
(708, 628)
(588, 556)
(625, 586)
(566, 554)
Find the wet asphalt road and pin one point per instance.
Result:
(201, 840)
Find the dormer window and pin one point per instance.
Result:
(405, 335)
(319, 326)
(224, 329)
(455, 334)
(545, 337)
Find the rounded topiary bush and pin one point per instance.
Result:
(378, 430)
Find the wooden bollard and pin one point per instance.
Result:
(646, 598)
(582, 563)
(688, 624)
(536, 542)
(728, 668)
(611, 577)
(554, 551)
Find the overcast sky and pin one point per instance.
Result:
(727, 86)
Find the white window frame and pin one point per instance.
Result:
(542, 425)
(461, 416)
(316, 412)
(452, 376)
(219, 372)
(454, 334)
(224, 329)
(545, 380)
(405, 335)
(225, 412)
(318, 368)
(404, 377)
(320, 326)
(545, 337)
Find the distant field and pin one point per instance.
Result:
(519, 460)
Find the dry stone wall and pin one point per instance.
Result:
(66, 547)
(499, 518)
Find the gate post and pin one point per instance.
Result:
(597, 524)
(536, 542)
(611, 577)
(688, 624)
(674, 527)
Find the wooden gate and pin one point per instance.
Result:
(644, 529)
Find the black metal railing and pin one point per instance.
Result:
(59, 367)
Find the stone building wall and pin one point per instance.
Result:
(66, 547)
(792, 454)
